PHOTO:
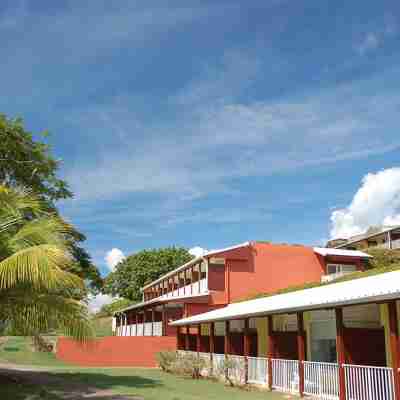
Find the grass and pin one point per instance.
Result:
(102, 326)
(149, 384)
(18, 350)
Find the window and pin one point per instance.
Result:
(340, 268)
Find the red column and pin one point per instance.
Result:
(301, 350)
(152, 322)
(341, 353)
(191, 280)
(270, 355)
(227, 342)
(227, 283)
(198, 339)
(246, 349)
(394, 346)
(212, 338)
(164, 317)
(187, 338)
(212, 343)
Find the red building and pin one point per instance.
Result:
(223, 276)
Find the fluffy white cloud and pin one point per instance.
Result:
(113, 257)
(376, 202)
(98, 301)
(197, 251)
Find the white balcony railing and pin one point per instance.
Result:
(148, 329)
(369, 383)
(285, 375)
(195, 288)
(140, 330)
(257, 370)
(157, 329)
(321, 380)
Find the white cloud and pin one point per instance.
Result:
(96, 302)
(197, 251)
(113, 257)
(376, 202)
(370, 42)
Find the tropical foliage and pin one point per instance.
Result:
(28, 162)
(38, 292)
(141, 268)
(107, 310)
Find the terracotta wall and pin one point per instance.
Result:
(115, 351)
(272, 267)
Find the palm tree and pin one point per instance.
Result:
(37, 292)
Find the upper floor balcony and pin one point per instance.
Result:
(184, 282)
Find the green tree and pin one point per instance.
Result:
(26, 162)
(29, 163)
(109, 309)
(383, 258)
(141, 268)
(37, 292)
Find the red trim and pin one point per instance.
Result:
(341, 352)
(301, 350)
(394, 346)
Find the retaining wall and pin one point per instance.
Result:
(115, 351)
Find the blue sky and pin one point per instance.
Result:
(208, 123)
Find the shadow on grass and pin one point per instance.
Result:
(106, 381)
(80, 384)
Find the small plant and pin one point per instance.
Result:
(190, 365)
(40, 344)
(167, 360)
(232, 370)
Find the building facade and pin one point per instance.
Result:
(385, 238)
(336, 341)
(225, 276)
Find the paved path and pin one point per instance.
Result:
(60, 386)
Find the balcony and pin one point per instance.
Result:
(144, 329)
(196, 288)
(332, 277)
(395, 245)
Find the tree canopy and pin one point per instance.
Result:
(141, 268)
(37, 290)
(28, 162)
(107, 310)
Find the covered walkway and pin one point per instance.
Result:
(285, 366)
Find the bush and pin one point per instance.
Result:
(190, 365)
(167, 360)
(232, 370)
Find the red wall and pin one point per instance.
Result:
(115, 351)
(272, 267)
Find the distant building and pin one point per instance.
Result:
(385, 237)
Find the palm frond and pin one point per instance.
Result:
(47, 230)
(30, 313)
(41, 266)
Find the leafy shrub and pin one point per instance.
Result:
(233, 371)
(190, 365)
(167, 360)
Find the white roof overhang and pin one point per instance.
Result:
(326, 251)
(370, 289)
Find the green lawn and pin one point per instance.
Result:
(17, 350)
(149, 384)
